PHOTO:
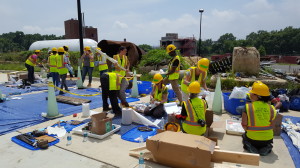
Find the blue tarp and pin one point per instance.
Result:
(17, 114)
(294, 152)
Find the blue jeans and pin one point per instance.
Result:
(89, 70)
(55, 78)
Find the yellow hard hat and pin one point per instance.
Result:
(170, 48)
(203, 64)
(66, 47)
(61, 49)
(157, 78)
(54, 49)
(37, 51)
(87, 48)
(172, 126)
(194, 87)
(260, 89)
(98, 49)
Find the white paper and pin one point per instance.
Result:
(138, 118)
(171, 108)
(59, 131)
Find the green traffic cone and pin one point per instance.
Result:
(134, 90)
(217, 101)
(79, 79)
(52, 111)
(0, 94)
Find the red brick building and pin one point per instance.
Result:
(72, 32)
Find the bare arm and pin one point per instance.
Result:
(244, 121)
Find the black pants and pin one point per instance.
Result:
(63, 81)
(30, 70)
(111, 94)
(257, 144)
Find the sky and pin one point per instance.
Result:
(146, 21)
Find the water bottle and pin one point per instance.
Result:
(85, 135)
(69, 138)
(141, 160)
(162, 123)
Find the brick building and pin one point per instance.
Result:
(72, 32)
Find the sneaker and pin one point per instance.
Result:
(265, 150)
(106, 109)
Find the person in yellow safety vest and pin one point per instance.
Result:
(192, 74)
(257, 120)
(111, 84)
(67, 60)
(193, 112)
(173, 71)
(52, 62)
(30, 63)
(102, 62)
(158, 97)
(122, 61)
(62, 70)
(88, 64)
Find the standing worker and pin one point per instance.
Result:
(67, 60)
(111, 84)
(158, 97)
(193, 112)
(62, 70)
(122, 61)
(102, 62)
(173, 71)
(52, 62)
(192, 74)
(30, 63)
(88, 64)
(257, 121)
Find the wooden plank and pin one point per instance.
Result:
(235, 157)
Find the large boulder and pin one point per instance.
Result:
(246, 60)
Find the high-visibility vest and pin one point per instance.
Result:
(114, 81)
(61, 65)
(102, 66)
(190, 125)
(92, 62)
(123, 63)
(192, 71)
(174, 75)
(260, 115)
(159, 94)
(31, 61)
(52, 60)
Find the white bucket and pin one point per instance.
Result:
(126, 116)
(85, 109)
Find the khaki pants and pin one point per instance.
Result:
(175, 87)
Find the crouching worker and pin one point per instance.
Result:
(193, 112)
(111, 83)
(158, 97)
(257, 121)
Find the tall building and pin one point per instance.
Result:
(72, 32)
(187, 45)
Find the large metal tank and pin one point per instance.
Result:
(73, 44)
(246, 60)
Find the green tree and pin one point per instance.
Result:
(262, 51)
(145, 47)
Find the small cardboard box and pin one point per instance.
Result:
(277, 125)
(176, 149)
(101, 123)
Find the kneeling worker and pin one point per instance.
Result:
(159, 96)
(193, 112)
(257, 121)
(111, 83)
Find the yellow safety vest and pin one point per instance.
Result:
(30, 61)
(174, 75)
(123, 63)
(60, 65)
(102, 66)
(92, 62)
(192, 70)
(159, 94)
(53, 63)
(260, 115)
(190, 124)
(114, 81)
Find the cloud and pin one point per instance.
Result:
(119, 24)
(259, 5)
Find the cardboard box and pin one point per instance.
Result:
(277, 125)
(23, 76)
(101, 123)
(176, 149)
